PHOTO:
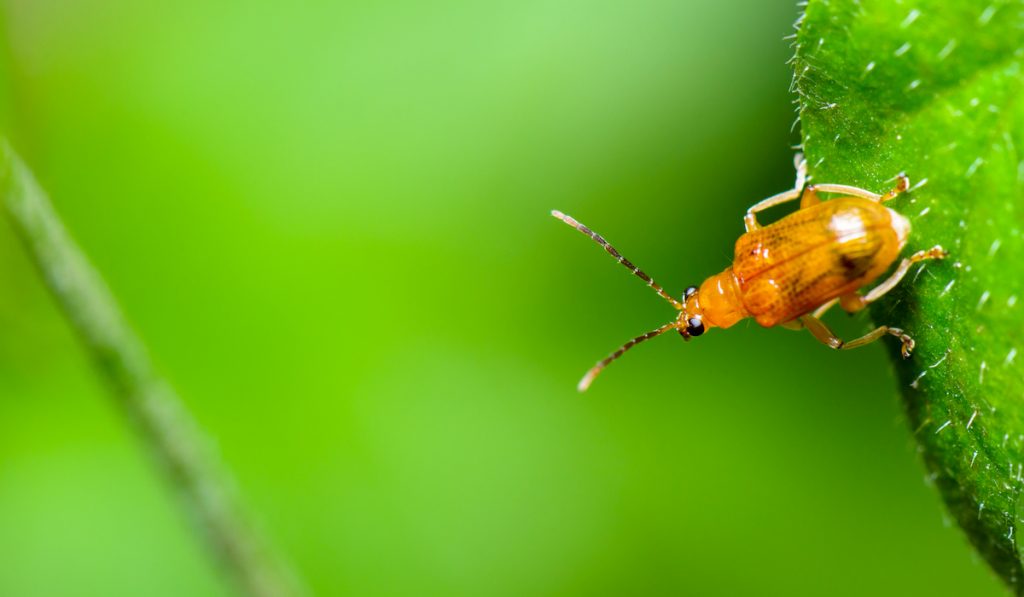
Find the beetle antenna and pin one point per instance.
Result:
(618, 257)
(589, 377)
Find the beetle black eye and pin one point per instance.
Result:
(694, 326)
(692, 290)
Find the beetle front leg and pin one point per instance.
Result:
(824, 335)
(750, 219)
(800, 165)
(810, 197)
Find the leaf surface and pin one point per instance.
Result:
(932, 88)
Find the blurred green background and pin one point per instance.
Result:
(330, 223)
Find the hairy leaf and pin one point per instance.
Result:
(932, 88)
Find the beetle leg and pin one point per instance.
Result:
(810, 197)
(750, 220)
(907, 342)
(792, 325)
(843, 189)
(902, 184)
(824, 335)
(800, 164)
(854, 303)
(822, 309)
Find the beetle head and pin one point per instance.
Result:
(690, 321)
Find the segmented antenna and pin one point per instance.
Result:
(618, 257)
(589, 377)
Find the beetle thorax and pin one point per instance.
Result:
(718, 301)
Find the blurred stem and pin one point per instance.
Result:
(150, 403)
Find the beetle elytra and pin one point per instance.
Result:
(790, 272)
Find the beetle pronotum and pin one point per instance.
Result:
(790, 272)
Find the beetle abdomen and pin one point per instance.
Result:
(806, 259)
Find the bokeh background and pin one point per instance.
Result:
(329, 221)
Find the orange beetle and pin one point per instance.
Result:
(790, 272)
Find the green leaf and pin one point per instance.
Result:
(933, 89)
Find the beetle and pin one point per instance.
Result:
(790, 272)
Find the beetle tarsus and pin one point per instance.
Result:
(908, 343)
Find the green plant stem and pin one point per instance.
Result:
(150, 403)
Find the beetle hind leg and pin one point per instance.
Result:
(827, 337)
(853, 302)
